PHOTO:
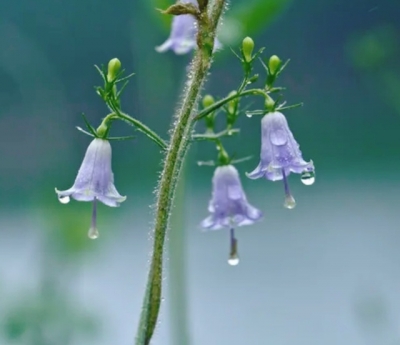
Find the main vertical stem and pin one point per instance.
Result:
(180, 138)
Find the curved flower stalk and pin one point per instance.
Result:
(182, 38)
(229, 207)
(95, 181)
(281, 155)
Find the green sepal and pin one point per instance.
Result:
(206, 163)
(282, 67)
(85, 132)
(89, 126)
(129, 137)
(282, 107)
(215, 136)
(237, 55)
(118, 80)
(255, 113)
(102, 71)
(241, 160)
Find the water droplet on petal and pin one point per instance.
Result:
(289, 203)
(64, 199)
(233, 260)
(93, 233)
(308, 178)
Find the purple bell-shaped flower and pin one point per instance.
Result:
(95, 181)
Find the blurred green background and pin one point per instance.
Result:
(327, 272)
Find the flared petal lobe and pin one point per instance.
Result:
(229, 206)
(95, 179)
(279, 150)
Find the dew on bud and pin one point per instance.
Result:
(308, 178)
(93, 233)
(64, 199)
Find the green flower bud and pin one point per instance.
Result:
(114, 66)
(274, 64)
(247, 49)
(208, 100)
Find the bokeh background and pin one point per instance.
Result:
(327, 272)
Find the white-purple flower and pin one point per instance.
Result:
(281, 155)
(95, 181)
(182, 38)
(228, 206)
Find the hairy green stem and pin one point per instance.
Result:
(175, 153)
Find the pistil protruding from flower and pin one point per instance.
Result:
(289, 203)
(233, 255)
(93, 232)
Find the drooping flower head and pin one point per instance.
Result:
(95, 181)
(228, 206)
(281, 155)
(182, 38)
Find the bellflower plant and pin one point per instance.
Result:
(194, 27)
(281, 155)
(95, 181)
(229, 206)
